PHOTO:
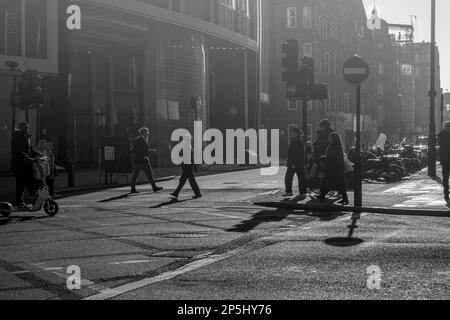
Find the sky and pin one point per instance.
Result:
(400, 11)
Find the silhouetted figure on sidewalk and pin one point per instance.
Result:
(296, 164)
(45, 147)
(334, 170)
(141, 160)
(444, 142)
(23, 155)
(320, 148)
(188, 175)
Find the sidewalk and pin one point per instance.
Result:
(415, 195)
(87, 180)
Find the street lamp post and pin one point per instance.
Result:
(432, 95)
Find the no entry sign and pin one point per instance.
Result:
(356, 70)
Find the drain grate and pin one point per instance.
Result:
(183, 235)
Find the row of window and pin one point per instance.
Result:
(35, 28)
(326, 29)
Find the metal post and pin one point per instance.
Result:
(305, 126)
(442, 110)
(432, 94)
(358, 164)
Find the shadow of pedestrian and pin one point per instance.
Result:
(18, 219)
(344, 242)
(267, 216)
(437, 179)
(123, 196)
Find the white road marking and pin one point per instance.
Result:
(220, 215)
(53, 268)
(163, 253)
(112, 293)
(130, 262)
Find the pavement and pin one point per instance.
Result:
(414, 195)
(89, 180)
(225, 246)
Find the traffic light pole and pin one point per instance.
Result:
(432, 94)
(305, 126)
(358, 164)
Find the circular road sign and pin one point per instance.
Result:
(356, 70)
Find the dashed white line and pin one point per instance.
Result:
(112, 293)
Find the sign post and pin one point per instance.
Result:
(356, 71)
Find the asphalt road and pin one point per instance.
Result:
(219, 247)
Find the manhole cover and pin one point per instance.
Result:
(183, 235)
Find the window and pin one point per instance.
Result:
(417, 59)
(10, 40)
(292, 18)
(327, 63)
(36, 27)
(307, 50)
(292, 105)
(310, 132)
(307, 18)
(242, 7)
(229, 3)
(309, 105)
(381, 69)
(407, 69)
(380, 113)
(380, 89)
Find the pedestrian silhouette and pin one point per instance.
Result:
(296, 164)
(334, 170)
(141, 160)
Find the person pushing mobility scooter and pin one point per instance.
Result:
(31, 170)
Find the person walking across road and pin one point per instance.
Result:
(444, 142)
(188, 175)
(141, 160)
(296, 164)
(334, 170)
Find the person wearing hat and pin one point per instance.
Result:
(141, 160)
(296, 164)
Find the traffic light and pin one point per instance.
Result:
(30, 89)
(305, 78)
(307, 67)
(290, 62)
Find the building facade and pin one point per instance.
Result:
(330, 32)
(136, 63)
(133, 63)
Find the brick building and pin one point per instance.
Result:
(330, 32)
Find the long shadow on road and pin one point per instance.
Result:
(267, 216)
